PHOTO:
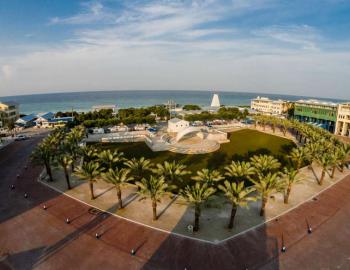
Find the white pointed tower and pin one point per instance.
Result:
(215, 102)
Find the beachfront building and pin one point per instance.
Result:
(343, 120)
(43, 118)
(98, 108)
(9, 112)
(269, 106)
(176, 125)
(316, 112)
(26, 121)
(57, 122)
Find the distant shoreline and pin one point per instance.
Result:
(83, 101)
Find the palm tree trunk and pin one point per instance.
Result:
(48, 171)
(286, 196)
(119, 195)
(233, 214)
(263, 205)
(322, 177)
(333, 171)
(91, 184)
(154, 208)
(197, 213)
(67, 177)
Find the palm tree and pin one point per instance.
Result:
(89, 153)
(264, 164)
(207, 176)
(288, 182)
(171, 170)
(88, 171)
(238, 195)
(118, 178)
(43, 155)
(64, 160)
(265, 185)
(138, 166)
(324, 161)
(197, 195)
(154, 188)
(343, 153)
(238, 170)
(109, 159)
(312, 151)
(72, 149)
(72, 141)
(298, 155)
(285, 125)
(272, 121)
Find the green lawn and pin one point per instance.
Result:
(243, 144)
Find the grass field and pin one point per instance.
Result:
(243, 144)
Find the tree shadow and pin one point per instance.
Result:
(216, 160)
(130, 198)
(167, 206)
(22, 260)
(103, 192)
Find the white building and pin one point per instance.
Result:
(269, 106)
(9, 112)
(343, 120)
(215, 102)
(176, 125)
(98, 108)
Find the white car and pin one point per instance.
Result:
(21, 137)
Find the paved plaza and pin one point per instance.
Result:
(32, 238)
(174, 214)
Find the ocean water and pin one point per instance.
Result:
(83, 101)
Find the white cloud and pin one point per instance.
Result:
(303, 35)
(169, 45)
(92, 13)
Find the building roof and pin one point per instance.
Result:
(258, 98)
(9, 103)
(47, 115)
(61, 119)
(317, 102)
(104, 106)
(28, 118)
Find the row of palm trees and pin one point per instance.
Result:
(263, 172)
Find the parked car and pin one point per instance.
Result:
(98, 131)
(21, 137)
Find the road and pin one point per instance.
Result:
(34, 238)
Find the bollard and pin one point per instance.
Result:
(309, 228)
(283, 249)
(44, 207)
(12, 186)
(133, 252)
(97, 236)
(67, 220)
(25, 195)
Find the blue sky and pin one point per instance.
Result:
(289, 47)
